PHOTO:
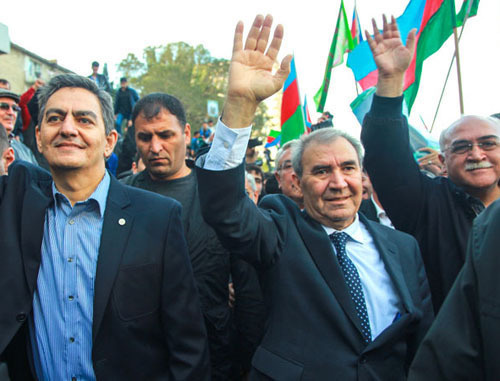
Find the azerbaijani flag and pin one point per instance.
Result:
(292, 115)
(273, 138)
(434, 21)
(356, 34)
(307, 116)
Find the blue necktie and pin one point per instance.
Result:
(353, 282)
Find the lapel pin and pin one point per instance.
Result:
(121, 221)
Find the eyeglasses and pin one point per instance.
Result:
(5, 107)
(461, 148)
(285, 167)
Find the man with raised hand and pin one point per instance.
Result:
(437, 212)
(347, 298)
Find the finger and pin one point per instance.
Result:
(371, 42)
(238, 37)
(281, 75)
(254, 32)
(385, 26)
(394, 28)
(264, 34)
(275, 45)
(410, 41)
(376, 33)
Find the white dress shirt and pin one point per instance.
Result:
(382, 303)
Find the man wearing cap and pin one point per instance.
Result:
(125, 101)
(100, 79)
(9, 110)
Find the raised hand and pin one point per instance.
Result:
(391, 56)
(251, 77)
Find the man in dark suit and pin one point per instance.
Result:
(464, 341)
(347, 298)
(96, 281)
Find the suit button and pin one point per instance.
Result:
(21, 317)
(362, 360)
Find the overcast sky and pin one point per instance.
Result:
(78, 32)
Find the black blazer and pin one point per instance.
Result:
(147, 322)
(464, 341)
(312, 331)
(368, 209)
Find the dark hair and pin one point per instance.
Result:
(152, 104)
(255, 168)
(4, 139)
(76, 81)
(123, 79)
(95, 63)
(5, 82)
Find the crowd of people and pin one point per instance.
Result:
(136, 248)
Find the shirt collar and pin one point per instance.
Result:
(354, 231)
(378, 209)
(99, 195)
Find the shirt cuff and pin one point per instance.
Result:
(228, 147)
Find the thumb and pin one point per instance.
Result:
(284, 69)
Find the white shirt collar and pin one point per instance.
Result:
(354, 231)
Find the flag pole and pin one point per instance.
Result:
(448, 75)
(459, 75)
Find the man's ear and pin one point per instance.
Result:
(278, 178)
(8, 157)
(111, 140)
(296, 180)
(187, 133)
(38, 140)
(441, 158)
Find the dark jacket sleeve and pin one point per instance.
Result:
(256, 234)
(390, 164)
(181, 312)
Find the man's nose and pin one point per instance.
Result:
(476, 153)
(337, 180)
(155, 145)
(68, 127)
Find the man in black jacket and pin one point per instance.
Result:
(437, 212)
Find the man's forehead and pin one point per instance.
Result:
(473, 129)
(163, 120)
(7, 100)
(339, 150)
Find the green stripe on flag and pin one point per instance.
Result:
(294, 127)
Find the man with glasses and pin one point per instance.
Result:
(9, 111)
(437, 212)
(284, 174)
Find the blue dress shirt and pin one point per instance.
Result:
(61, 323)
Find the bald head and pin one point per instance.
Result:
(465, 123)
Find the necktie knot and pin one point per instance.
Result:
(339, 240)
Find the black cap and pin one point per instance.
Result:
(95, 63)
(9, 94)
(123, 79)
(254, 142)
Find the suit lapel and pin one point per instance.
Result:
(35, 203)
(320, 249)
(115, 231)
(392, 260)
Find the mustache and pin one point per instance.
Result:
(470, 166)
(64, 141)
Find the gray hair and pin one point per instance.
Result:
(249, 177)
(443, 137)
(76, 81)
(322, 136)
(285, 147)
(4, 140)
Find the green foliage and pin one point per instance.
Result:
(187, 72)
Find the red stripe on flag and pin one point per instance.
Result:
(431, 7)
(289, 102)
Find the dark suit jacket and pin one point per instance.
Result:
(147, 322)
(368, 209)
(313, 332)
(464, 341)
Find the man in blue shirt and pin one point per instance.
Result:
(96, 278)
